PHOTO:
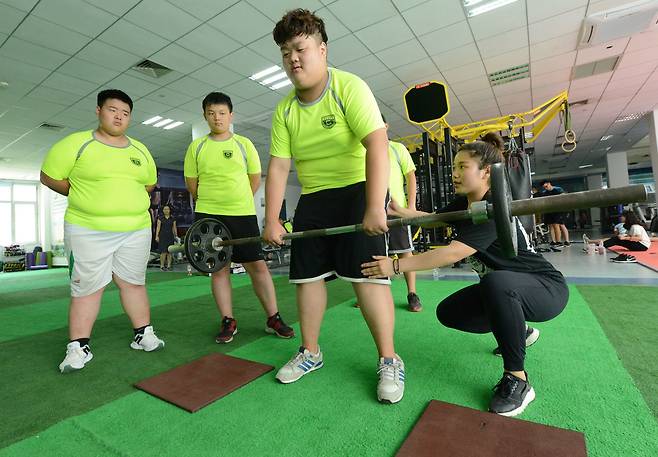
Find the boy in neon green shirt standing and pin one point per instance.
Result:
(399, 238)
(107, 229)
(222, 172)
(331, 126)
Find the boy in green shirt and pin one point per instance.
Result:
(222, 172)
(331, 126)
(107, 229)
(399, 238)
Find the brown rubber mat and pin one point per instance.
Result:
(203, 381)
(446, 430)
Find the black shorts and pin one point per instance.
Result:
(399, 240)
(554, 218)
(326, 257)
(240, 227)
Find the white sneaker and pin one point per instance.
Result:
(586, 239)
(76, 357)
(302, 363)
(390, 387)
(147, 341)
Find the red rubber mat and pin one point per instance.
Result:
(447, 430)
(203, 381)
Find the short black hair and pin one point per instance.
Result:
(107, 94)
(545, 181)
(217, 98)
(298, 22)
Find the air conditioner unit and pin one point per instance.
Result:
(618, 22)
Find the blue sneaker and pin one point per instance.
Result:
(302, 363)
(390, 387)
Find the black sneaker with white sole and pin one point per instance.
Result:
(555, 246)
(511, 396)
(624, 258)
(531, 337)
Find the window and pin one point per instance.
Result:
(18, 213)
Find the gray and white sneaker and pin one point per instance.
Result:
(302, 363)
(76, 357)
(147, 341)
(390, 387)
(531, 337)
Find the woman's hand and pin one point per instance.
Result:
(382, 267)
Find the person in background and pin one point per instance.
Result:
(555, 221)
(165, 233)
(636, 239)
(400, 243)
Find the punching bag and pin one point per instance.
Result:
(518, 170)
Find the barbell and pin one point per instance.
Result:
(208, 244)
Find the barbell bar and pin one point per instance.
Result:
(208, 244)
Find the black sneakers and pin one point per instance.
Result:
(531, 336)
(414, 303)
(624, 258)
(511, 396)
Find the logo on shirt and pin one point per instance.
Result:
(328, 121)
(136, 161)
(228, 154)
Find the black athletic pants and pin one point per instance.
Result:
(502, 302)
(630, 245)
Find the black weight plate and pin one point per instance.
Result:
(502, 207)
(198, 246)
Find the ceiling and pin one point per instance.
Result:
(56, 55)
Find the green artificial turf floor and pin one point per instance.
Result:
(593, 369)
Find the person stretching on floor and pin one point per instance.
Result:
(510, 292)
(636, 238)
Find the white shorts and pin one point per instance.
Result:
(94, 255)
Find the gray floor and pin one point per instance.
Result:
(578, 267)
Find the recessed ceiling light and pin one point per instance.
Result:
(274, 78)
(4, 84)
(472, 10)
(152, 120)
(281, 84)
(606, 137)
(173, 125)
(262, 74)
(163, 122)
(585, 166)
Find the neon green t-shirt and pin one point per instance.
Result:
(107, 182)
(222, 168)
(324, 137)
(401, 164)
